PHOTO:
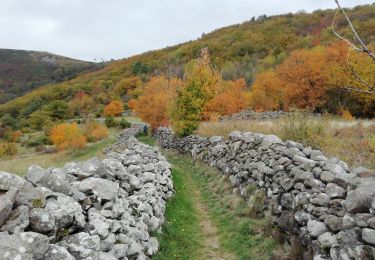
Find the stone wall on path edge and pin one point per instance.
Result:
(328, 207)
(99, 209)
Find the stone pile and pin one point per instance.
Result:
(252, 115)
(328, 207)
(98, 209)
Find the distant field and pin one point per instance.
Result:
(18, 164)
(351, 141)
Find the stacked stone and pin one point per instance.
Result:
(268, 115)
(330, 207)
(98, 209)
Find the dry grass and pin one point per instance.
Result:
(18, 164)
(351, 141)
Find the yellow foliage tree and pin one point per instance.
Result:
(67, 136)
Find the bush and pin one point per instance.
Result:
(110, 121)
(8, 149)
(346, 115)
(13, 136)
(36, 140)
(301, 129)
(67, 136)
(114, 108)
(95, 131)
(124, 123)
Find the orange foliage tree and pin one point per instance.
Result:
(154, 105)
(231, 99)
(82, 104)
(95, 131)
(303, 80)
(114, 108)
(267, 92)
(67, 136)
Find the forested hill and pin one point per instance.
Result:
(238, 51)
(22, 71)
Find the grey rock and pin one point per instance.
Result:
(333, 222)
(98, 227)
(321, 199)
(6, 204)
(119, 250)
(360, 199)
(55, 252)
(134, 249)
(35, 173)
(66, 211)
(9, 180)
(348, 221)
(30, 197)
(216, 139)
(327, 240)
(17, 221)
(334, 191)
(362, 218)
(152, 246)
(327, 176)
(316, 228)
(368, 235)
(104, 189)
(41, 220)
(26, 245)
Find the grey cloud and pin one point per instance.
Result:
(88, 29)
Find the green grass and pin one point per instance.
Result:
(147, 139)
(243, 236)
(181, 237)
(239, 234)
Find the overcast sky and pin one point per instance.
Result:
(88, 29)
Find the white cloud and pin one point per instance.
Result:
(89, 29)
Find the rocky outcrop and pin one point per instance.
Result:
(252, 115)
(329, 207)
(99, 209)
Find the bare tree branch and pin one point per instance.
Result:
(359, 46)
(362, 81)
(362, 47)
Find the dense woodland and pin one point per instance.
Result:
(288, 62)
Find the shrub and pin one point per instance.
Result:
(305, 130)
(95, 131)
(110, 121)
(36, 140)
(13, 136)
(8, 149)
(114, 108)
(67, 136)
(346, 115)
(124, 123)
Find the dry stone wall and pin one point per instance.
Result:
(320, 201)
(99, 209)
(252, 115)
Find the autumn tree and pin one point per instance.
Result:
(202, 84)
(231, 99)
(267, 92)
(114, 108)
(154, 105)
(126, 85)
(82, 104)
(95, 131)
(67, 136)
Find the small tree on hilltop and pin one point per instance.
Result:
(202, 84)
(114, 108)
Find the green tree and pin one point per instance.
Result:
(58, 109)
(202, 84)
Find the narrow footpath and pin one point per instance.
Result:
(205, 220)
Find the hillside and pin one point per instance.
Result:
(238, 51)
(22, 71)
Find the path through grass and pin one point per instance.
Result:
(205, 220)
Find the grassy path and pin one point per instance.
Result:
(205, 220)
